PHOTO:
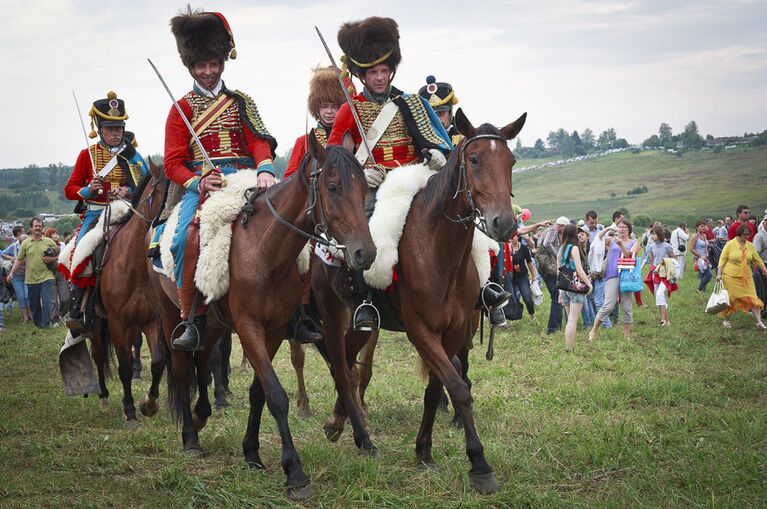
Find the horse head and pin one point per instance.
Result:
(487, 161)
(336, 177)
(151, 190)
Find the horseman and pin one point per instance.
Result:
(441, 97)
(233, 135)
(118, 170)
(400, 128)
(325, 99)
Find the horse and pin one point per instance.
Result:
(325, 196)
(436, 308)
(128, 300)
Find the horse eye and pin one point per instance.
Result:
(473, 160)
(332, 188)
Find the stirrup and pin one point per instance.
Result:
(190, 339)
(365, 327)
(494, 287)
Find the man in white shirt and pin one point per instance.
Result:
(678, 241)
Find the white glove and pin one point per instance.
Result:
(374, 176)
(437, 160)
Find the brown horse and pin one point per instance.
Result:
(128, 300)
(436, 307)
(325, 195)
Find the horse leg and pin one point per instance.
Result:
(431, 400)
(461, 364)
(123, 337)
(430, 348)
(217, 370)
(252, 337)
(297, 358)
(202, 409)
(149, 405)
(250, 444)
(225, 345)
(100, 355)
(365, 367)
(137, 367)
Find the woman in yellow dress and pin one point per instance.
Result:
(736, 264)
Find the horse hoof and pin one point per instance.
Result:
(332, 433)
(427, 464)
(131, 424)
(136, 376)
(254, 464)
(300, 492)
(220, 405)
(198, 423)
(148, 407)
(371, 452)
(305, 412)
(456, 423)
(193, 450)
(483, 483)
(104, 404)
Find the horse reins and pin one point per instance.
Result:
(475, 217)
(321, 231)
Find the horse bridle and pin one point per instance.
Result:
(147, 198)
(475, 217)
(314, 201)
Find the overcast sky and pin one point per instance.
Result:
(574, 64)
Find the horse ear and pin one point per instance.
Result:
(463, 125)
(316, 149)
(155, 170)
(348, 142)
(512, 130)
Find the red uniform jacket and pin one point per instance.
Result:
(82, 174)
(225, 138)
(300, 148)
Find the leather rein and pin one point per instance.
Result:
(475, 217)
(314, 201)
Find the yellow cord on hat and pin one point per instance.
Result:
(374, 62)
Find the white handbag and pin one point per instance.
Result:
(535, 289)
(718, 301)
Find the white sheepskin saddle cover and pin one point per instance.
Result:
(90, 241)
(216, 217)
(392, 205)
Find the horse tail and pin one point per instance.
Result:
(423, 369)
(108, 348)
(174, 402)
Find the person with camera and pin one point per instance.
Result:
(38, 251)
(678, 240)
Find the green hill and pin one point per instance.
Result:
(686, 188)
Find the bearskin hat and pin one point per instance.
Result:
(324, 88)
(369, 42)
(202, 36)
(440, 95)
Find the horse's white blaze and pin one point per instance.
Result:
(492, 145)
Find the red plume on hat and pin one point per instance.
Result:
(202, 36)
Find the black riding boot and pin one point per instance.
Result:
(492, 298)
(303, 328)
(366, 317)
(76, 322)
(194, 331)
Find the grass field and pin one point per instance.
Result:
(674, 418)
(698, 184)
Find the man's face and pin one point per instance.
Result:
(559, 228)
(591, 222)
(207, 73)
(377, 78)
(728, 220)
(327, 113)
(112, 135)
(743, 216)
(445, 117)
(22, 236)
(37, 228)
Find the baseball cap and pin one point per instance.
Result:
(584, 228)
(581, 222)
(563, 221)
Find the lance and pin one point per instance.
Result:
(208, 164)
(348, 97)
(87, 145)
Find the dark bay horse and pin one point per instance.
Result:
(326, 194)
(436, 306)
(128, 300)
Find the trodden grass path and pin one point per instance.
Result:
(674, 418)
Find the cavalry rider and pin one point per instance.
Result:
(118, 170)
(400, 128)
(325, 99)
(233, 135)
(441, 97)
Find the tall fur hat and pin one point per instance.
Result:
(369, 42)
(324, 88)
(202, 36)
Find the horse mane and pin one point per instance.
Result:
(444, 184)
(335, 155)
(140, 188)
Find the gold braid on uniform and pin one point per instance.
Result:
(321, 136)
(421, 119)
(251, 116)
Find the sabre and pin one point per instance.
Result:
(87, 145)
(208, 164)
(348, 97)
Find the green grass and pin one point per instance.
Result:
(698, 184)
(674, 418)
